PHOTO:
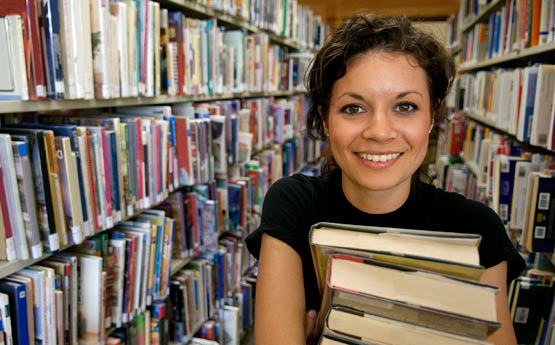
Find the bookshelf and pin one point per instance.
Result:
(223, 21)
(502, 112)
(57, 105)
(193, 8)
(540, 51)
(470, 21)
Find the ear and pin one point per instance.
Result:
(431, 126)
(325, 123)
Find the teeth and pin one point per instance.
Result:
(379, 158)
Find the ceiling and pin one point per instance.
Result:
(334, 11)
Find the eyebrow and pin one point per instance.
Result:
(361, 98)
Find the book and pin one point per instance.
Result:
(18, 309)
(411, 295)
(450, 253)
(364, 326)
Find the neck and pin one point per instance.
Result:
(376, 201)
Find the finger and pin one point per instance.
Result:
(310, 323)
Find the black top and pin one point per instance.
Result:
(293, 204)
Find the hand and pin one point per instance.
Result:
(310, 326)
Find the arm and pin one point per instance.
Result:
(497, 275)
(280, 302)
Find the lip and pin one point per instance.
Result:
(380, 164)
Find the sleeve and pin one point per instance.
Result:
(285, 215)
(496, 246)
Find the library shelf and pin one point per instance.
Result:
(492, 124)
(177, 264)
(54, 105)
(482, 15)
(513, 56)
(232, 20)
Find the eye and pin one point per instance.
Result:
(406, 107)
(352, 109)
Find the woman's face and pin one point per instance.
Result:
(379, 121)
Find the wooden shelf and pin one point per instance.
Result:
(54, 105)
(178, 264)
(481, 16)
(511, 56)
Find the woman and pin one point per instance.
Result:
(376, 87)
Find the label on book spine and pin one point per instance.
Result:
(41, 91)
(130, 210)
(53, 242)
(36, 251)
(10, 249)
(59, 86)
(76, 234)
(89, 229)
(109, 222)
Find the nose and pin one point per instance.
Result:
(379, 126)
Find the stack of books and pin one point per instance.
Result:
(400, 286)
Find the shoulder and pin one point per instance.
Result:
(453, 212)
(453, 209)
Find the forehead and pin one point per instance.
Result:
(383, 71)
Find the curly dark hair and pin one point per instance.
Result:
(368, 32)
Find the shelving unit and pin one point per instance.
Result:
(494, 5)
(54, 105)
(514, 56)
(229, 20)
(191, 9)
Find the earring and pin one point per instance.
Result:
(430, 131)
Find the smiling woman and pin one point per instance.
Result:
(376, 88)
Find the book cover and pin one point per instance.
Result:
(450, 253)
(383, 330)
(18, 309)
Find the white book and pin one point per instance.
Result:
(543, 104)
(132, 49)
(6, 319)
(12, 197)
(8, 88)
(119, 257)
(99, 26)
(231, 325)
(518, 206)
(90, 285)
(48, 284)
(77, 47)
(86, 69)
(26, 188)
(149, 82)
(503, 107)
(67, 165)
(113, 54)
(544, 21)
(15, 32)
(67, 48)
(119, 10)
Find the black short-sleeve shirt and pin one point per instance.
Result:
(294, 203)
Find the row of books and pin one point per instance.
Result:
(531, 304)
(107, 281)
(228, 318)
(119, 163)
(469, 9)
(518, 101)
(284, 18)
(517, 184)
(65, 50)
(519, 24)
(419, 291)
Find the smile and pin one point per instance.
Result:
(378, 158)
